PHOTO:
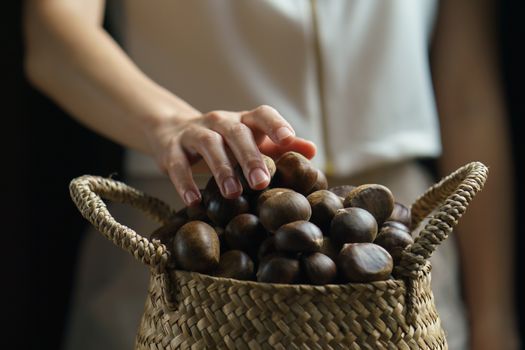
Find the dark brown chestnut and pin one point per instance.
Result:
(324, 206)
(279, 269)
(221, 210)
(222, 239)
(318, 268)
(296, 172)
(321, 183)
(298, 237)
(196, 247)
(283, 208)
(353, 225)
(401, 214)
(245, 232)
(235, 264)
(330, 249)
(197, 212)
(342, 191)
(211, 190)
(364, 262)
(376, 199)
(395, 224)
(264, 195)
(266, 248)
(166, 233)
(394, 240)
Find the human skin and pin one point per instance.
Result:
(72, 59)
(474, 127)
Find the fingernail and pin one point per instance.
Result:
(230, 186)
(190, 197)
(257, 176)
(283, 133)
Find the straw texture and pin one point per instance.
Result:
(186, 310)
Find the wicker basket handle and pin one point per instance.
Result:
(448, 199)
(87, 193)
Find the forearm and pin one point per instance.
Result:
(74, 61)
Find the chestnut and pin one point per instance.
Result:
(401, 214)
(364, 262)
(222, 239)
(166, 233)
(279, 269)
(329, 248)
(245, 232)
(375, 198)
(394, 240)
(211, 190)
(266, 248)
(324, 206)
(283, 208)
(235, 264)
(395, 224)
(196, 247)
(318, 268)
(298, 237)
(353, 225)
(265, 194)
(296, 172)
(342, 191)
(321, 183)
(221, 210)
(197, 212)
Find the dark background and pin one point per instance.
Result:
(43, 149)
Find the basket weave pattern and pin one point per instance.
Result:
(191, 310)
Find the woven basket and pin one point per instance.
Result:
(192, 310)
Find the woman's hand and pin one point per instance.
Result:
(222, 139)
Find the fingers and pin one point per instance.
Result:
(306, 148)
(240, 141)
(209, 144)
(267, 120)
(179, 171)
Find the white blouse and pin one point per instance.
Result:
(352, 76)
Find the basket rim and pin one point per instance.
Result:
(392, 283)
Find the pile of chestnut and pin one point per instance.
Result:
(295, 231)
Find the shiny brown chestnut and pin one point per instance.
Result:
(376, 199)
(296, 172)
(298, 237)
(395, 224)
(401, 214)
(342, 191)
(364, 262)
(330, 249)
(394, 240)
(235, 264)
(166, 233)
(279, 269)
(221, 210)
(318, 268)
(324, 206)
(266, 248)
(283, 208)
(321, 183)
(245, 232)
(196, 247)
(263, 196)
(353, 225)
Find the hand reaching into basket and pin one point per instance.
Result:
(222, 139)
